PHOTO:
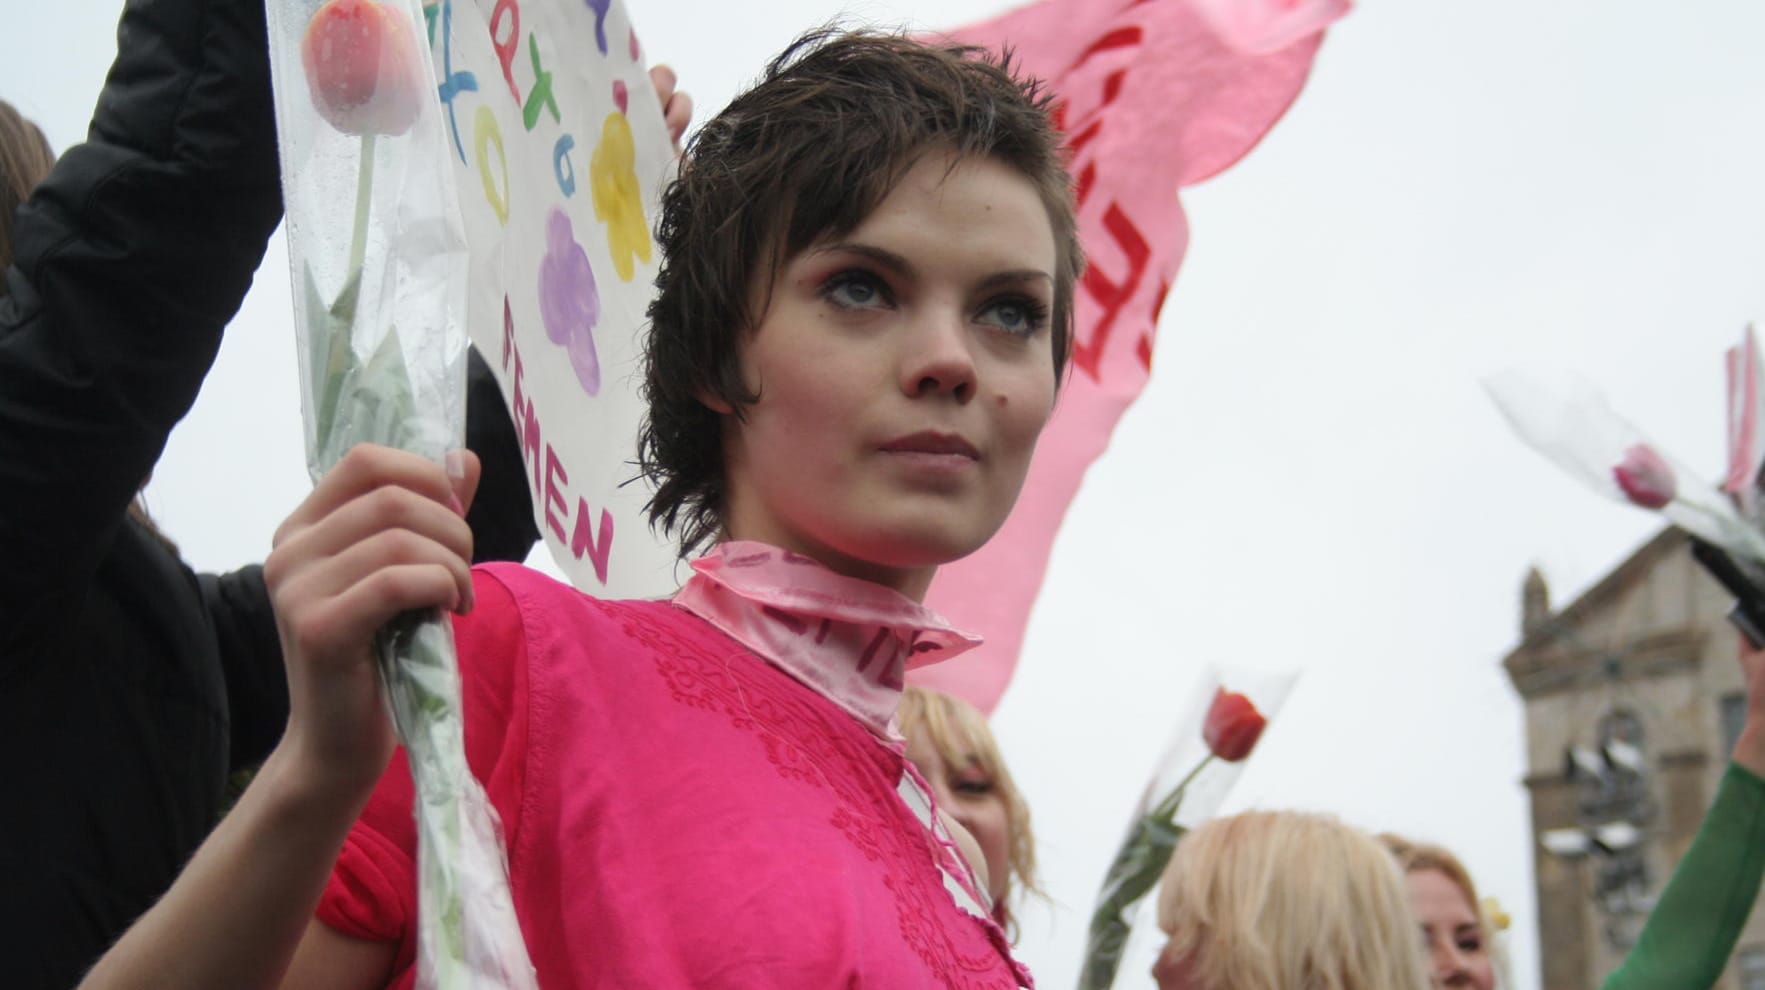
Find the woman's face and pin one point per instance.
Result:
(970, 795)
(904, 371)
(1172, 973)
(1458, 952)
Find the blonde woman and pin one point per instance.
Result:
(948, 741)
(1458, 934)
(1285, 900)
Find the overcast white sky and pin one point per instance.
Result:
(1313, 477)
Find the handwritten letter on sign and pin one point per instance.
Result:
(560, 154)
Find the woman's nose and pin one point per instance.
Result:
(1450, 966)
(938, 360)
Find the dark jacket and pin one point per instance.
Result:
(129, 686)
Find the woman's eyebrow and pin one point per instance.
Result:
(1016, 276)
(901, 266)
(888, 259)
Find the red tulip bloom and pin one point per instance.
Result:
(1645, 477)
(1233, 726)
(363, 67)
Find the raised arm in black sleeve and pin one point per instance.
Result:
(115, 715)
(129, 261)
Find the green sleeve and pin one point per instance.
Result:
(1688, 937)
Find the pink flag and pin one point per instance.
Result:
(1156, 94)
(1745, 451)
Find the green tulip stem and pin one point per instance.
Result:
(364, 186)
(1168, 806)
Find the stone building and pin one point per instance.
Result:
(1633, 697)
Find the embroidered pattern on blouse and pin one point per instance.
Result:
(860, 773)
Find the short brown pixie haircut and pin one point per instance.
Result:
(807, 153)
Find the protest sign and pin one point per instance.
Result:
(560, 154)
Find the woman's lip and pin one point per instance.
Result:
(932, 444)
(928, 461)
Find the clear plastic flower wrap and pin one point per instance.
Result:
(1570, 422)
(1216, 733)
(378, 258)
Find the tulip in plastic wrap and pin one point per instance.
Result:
(1233, 726)
(1570, 422)
(383, 363)
(362, 66)
(1230, 730)
(1645, 477)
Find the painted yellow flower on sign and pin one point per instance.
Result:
(618, 201)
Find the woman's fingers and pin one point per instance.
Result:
(677, 107)
(336, 603)
(340, 627)
(677, 114)
(663, 79)
(364, 468)
(464, 471)
(378, 510)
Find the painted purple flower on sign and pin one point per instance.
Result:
(600, 8)
(569, 302)
(621, 96)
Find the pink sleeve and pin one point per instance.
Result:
(372, 892)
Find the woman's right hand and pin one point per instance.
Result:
(382, 532)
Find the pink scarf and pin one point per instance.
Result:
(849, 639)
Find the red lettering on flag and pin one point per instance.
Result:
(1112, 296)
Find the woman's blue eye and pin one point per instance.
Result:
(1020, 316)
(854, 290)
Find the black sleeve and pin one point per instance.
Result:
(238, 605)
(128, 262)
(501, 516)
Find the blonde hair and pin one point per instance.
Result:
(1287, 900)
(1418, 857)
(1414, 857)
(959, 732)
(25, 158)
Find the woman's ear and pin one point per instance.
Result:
(714, 402)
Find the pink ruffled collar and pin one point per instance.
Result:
(849, 639)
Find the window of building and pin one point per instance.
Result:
(1734, 715)
(1752, 968)
(1616, 786)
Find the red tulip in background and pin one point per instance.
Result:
(1645, 477)
(1233, 726)
(362, 65)
(1231, 729)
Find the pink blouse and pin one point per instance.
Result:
(681, 813)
